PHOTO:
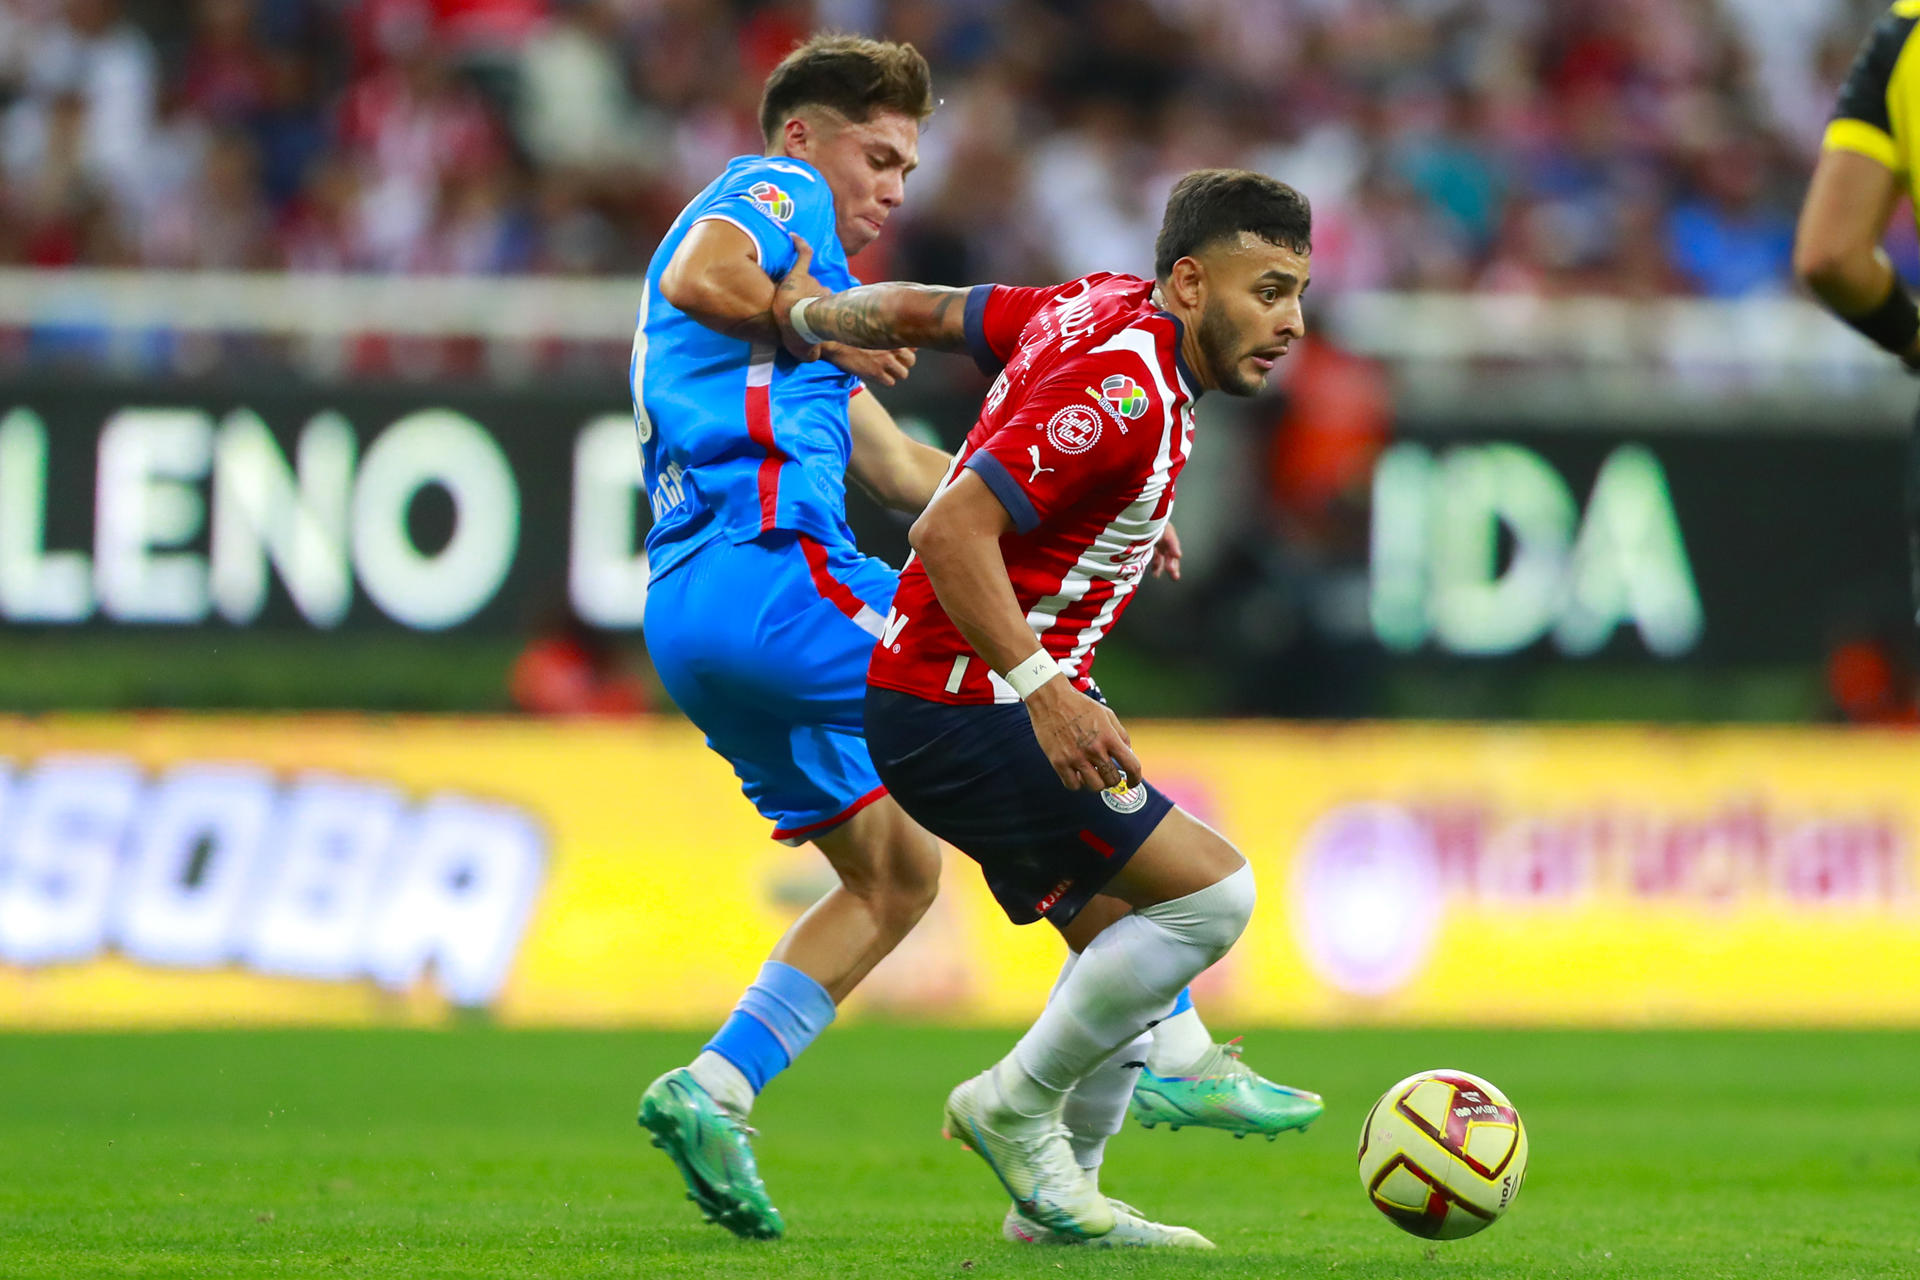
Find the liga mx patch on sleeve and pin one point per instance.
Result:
(771, 200)
(1127, 397)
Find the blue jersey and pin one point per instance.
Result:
(740, 438)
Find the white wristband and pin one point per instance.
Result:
(797, 321)
(1031, 674)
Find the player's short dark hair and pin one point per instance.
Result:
(1210, 205)
(852, 75)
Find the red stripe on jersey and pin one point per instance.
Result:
(1060, 636)
(760, 430)
(829, 587)
(1085, 612)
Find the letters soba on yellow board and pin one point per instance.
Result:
(342, 869)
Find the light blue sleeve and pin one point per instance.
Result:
(771, 201)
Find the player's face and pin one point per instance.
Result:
(866, 165)
(1252, 311)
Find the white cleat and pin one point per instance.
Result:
(1130, 1231)
(1031, 1158)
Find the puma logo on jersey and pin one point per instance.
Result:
(1034, 450)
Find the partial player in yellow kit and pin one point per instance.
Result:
(1867, 162)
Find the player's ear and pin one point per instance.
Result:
(1187, 280)
(796, 134)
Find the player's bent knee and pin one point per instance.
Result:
(1213, 918)
(909, 887)
(888, 861)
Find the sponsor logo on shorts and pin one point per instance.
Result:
(771, 200)
(1128, 398)
(1122, 798)
(1074, 429)
(1054, 895)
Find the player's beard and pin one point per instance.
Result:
(1220, 348)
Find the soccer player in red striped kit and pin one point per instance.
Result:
(983, 719)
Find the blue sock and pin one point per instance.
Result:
(1182, 1002)
(776, 1019)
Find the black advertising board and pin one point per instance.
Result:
(296, 507)
(1670, 545)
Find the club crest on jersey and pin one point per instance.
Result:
(1122, 798)
(1128, 398)
(771, 200)
(1074, 429)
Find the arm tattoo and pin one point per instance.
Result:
(892, 315)
(943, 306)
(853, 317)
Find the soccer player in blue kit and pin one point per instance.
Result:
(761, 612)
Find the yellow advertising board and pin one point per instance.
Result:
(181, 870)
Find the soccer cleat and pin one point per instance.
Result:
(1030, 1157)
(710, 1148)
(1130, 1230)
(1222, 1092)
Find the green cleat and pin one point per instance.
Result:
(710, 1148)
(1222, 1092)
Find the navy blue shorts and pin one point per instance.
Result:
(976, 777)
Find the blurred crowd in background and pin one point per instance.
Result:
(1630, 148)
(1634, 147)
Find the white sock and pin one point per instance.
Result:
(1127, 977)
(1178, 1043)
(1097, 1107)
(1020, 1091)
(1066, 968)
(724, 1081)
(1027, 1096)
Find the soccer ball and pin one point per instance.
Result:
(1443, 1154)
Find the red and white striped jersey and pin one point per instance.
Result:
(1081, 438)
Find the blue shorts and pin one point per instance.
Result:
(976, 777)
(764, 645)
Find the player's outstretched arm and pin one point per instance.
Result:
(958, 542)
(897, 470)
(1837, 254)
(869, 315)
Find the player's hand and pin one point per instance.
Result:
(1166, 554)
(1084, 741)
(883, 367)
(798, 283)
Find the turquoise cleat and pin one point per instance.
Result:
(1222, 1092)
(710, 1148)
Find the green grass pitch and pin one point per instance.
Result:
(478, 1152)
